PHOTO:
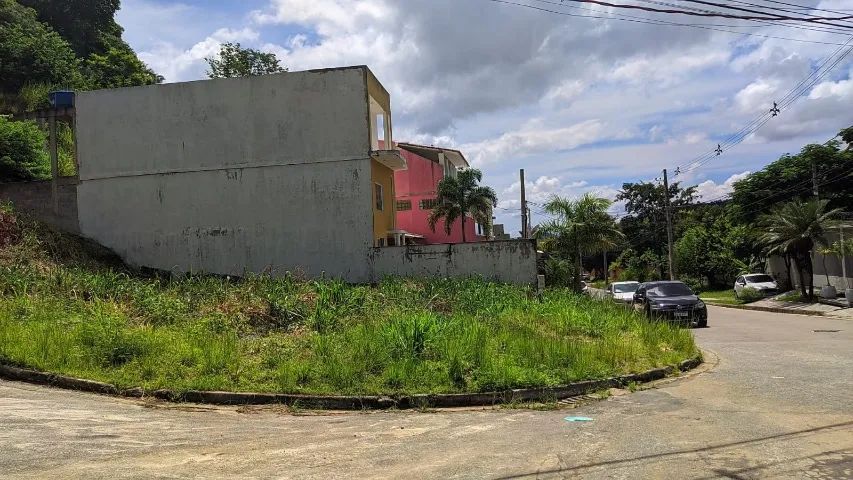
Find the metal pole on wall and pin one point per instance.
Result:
(524, 232)
(54, 164)
(843, 256)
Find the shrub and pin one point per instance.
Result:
(749, 295)
(22, 152)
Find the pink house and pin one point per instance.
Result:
(415, 191)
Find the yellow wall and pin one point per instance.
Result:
(382, 221)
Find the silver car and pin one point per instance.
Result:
(761, 282)
(622, 292)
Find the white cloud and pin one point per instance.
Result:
(527, 142)
(710, 190)
(176, 64)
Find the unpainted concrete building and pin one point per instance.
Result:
(270, 173)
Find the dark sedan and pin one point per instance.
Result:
(672, 301)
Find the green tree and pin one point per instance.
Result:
(82, 23)
(30, 52)
(795, 228)
(22, 152)
(645, 224)
(790, 178)
(579, 227)
(708, 254)
(118, 68)
(460, 196)
(236, 61)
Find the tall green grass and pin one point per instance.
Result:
(62, 311)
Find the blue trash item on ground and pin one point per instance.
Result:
(578, 419)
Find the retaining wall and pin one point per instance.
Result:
(509, 261)
(35, 199)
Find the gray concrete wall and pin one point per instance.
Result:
(776, 266)
(511, 261)
(35, 199)
(232, 175)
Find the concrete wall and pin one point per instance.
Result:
(231, 175)
(512, 261)
(35, 198)
(776, 266)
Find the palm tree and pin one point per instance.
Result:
(461, 196)
(580, 227)
(795, 228)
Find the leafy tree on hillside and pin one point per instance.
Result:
(579, 227)
(82, 23)
(30, 53)
(462, 195)
(795, 228)
(118, 67)
(235, 61)
(90, 29)
(22, 153)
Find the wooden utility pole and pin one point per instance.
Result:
(668, 225)
(525, 233)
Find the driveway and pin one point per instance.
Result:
(777, 401)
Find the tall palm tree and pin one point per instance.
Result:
(460, 196)
(796, 228)
(579, 227)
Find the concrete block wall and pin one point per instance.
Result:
(35, 199)
(228, 176)
(510, 261)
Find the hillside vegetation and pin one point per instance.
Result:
(67, 306)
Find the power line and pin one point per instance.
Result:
(793, 95)
(762, 23)
(648, 21)
(720, 14)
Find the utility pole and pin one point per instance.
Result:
(524, 227)
(814, 181)
(606, 271)
(668, 225)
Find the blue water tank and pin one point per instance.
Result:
(61, 99)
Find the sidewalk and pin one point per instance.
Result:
(801, 308)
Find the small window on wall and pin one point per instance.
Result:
(380, 200)
(428, 204)
(403, 205)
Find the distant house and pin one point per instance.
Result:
(417, 187)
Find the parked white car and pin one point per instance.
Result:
(758, 281)
(622, 292)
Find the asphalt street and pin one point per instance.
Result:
(774, 400)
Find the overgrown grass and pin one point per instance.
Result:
(64, 310)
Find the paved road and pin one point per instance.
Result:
(778, 403)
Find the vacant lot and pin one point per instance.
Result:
(66, 307)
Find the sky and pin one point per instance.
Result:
(582, 104)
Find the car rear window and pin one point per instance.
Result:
(669, 290)
(759, 278)
(626, 288)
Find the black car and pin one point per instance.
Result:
(672, 301)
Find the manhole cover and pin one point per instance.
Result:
(826, 331)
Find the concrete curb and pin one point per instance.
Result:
(813, 313)
(342, 402)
